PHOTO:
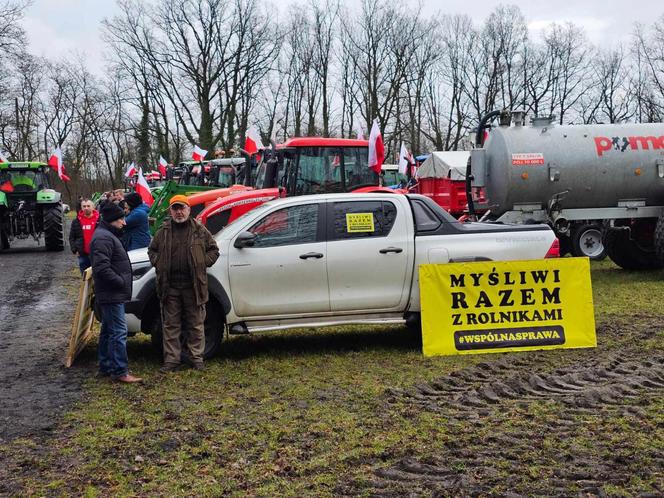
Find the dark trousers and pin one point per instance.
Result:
(182, 323)
(83, 263)
(112, 348)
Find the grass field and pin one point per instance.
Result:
(323, 413)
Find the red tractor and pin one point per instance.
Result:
(300, 166)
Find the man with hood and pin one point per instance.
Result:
(136, 233)
(81, 231)
(111, 271)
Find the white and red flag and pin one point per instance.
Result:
(253, 141)
(55, 162)
(198, 154)
(163, 164)
(3, 158)
(131, 170)
(405, 158)
(376, 148)
(143, 189)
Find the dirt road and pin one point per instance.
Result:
(36, 309)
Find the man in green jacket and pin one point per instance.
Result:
(180, 251)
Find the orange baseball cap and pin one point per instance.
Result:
(179, 199)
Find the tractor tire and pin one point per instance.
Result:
(4, 240)
(214, 331)
(587, 240)
(54, 228)
(627, 253)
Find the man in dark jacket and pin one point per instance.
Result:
(80, 233)
(111, 271)
(181, 251)
(136, 233)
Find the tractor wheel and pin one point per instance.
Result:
(628, 253)
(214, 331)
(54, 232)
(4, 240)
(587, 241)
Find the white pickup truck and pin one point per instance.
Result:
(332, 259)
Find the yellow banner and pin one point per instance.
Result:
(497, 306)
(359, 222)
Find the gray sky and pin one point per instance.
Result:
(57, 28)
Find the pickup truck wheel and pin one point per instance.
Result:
(659, 238)
(414, 323)
(214, 331)
(587, 241)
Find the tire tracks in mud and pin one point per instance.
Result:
(492, 441)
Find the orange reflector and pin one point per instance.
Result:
(637, 171)
(524, 175)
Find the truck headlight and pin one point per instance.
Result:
(140, 269)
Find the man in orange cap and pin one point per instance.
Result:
(180, 251)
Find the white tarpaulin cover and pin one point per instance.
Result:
(445, 164)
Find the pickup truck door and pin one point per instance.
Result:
(285, 272)
(369, 255)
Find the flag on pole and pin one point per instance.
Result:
(143, 189)
(376, 148)
(55, 162)
(405, 158)
(253, 141)
(131, 170)
(198, 154)
(3, 158)
(163, 164)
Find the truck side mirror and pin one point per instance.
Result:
(245, 239)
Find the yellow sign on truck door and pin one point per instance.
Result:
(496, 306)
(359, 222)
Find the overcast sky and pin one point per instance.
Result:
(60, 27)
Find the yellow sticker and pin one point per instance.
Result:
(359, 222)
(496, 306)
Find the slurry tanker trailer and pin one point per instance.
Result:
(600, 187)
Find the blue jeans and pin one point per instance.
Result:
(112, 349)
(83, 263)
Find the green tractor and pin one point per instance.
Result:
(28, 207)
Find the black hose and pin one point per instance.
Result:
(479, 142)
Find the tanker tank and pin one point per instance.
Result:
(599, 166)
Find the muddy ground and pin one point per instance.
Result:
(532, 425)
(36, 311)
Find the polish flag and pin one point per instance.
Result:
(55, 162)
(405, 158)
(131, 171)
(3, 158)
(163, 164)
(143, 189)
(198, 154)
(376, 148)
(253, 141)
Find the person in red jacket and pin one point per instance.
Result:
(81, 232)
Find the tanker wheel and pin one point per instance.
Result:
(627, 253)
(214, 331)
(54, 232)
(587, 241)
(659, 238)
